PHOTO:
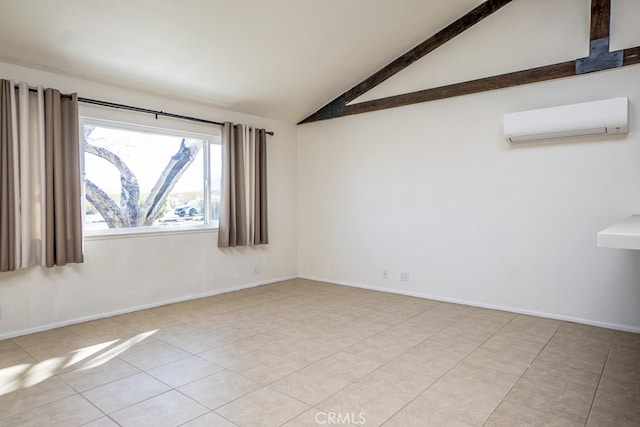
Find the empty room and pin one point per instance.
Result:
(293, 213)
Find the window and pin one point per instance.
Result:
(140, 178)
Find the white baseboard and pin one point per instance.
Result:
(615, 326)
(517, 310)
(126, 310)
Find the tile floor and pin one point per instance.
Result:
(303, 353)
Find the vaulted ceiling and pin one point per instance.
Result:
(278, 58)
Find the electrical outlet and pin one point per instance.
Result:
(385, 274)
(404, 276)
(256, 269)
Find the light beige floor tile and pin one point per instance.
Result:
(509, 414)
(627, 339)
(125, 392)
(269, 368)
(210, 419)
(93, 326)
(263, 407)
(70, 411)
(31, 391)
(374, 352)
(560, 402)
(624, 353)
(568, 378)
(64, 355)
(397, 381)
(225, 355)
(531, 328)
(8, 345)
(91, 376)
(308, 351)
(580, 346)
(623, 390)
(486, 380)
(219, 389)
(315, 417)
(452, 348)
(540, 334)
(459, 335)
(45, 338)
(505, 361)
(536, 322)
(411, 307)
(184, 371)
(14, 356)
(606, 413)
(586, 361)
(434, 367)
(346, 365)
(159, 355)
(144, 320)
(102, 422)
(494, 317)
(585, 333)
(360, 399)
(513, 344)
(168, 409)
(624, 369)
(415, 415)
(310, 385)
(116, 334)
(415, 333)
(621, 396)
(459, 402)
(198, 343)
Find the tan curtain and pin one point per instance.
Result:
(261, 231)
(243, 205)
(63, 212)
(40, 203)
(7, 181)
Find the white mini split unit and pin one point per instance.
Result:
(609, 116)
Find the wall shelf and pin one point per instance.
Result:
(623, 235)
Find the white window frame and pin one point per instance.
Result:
(132, 232)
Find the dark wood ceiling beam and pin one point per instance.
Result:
(549, 72)
(429, 45)
(600, 19)
(476, 15)
(600, 59)
(518, 78)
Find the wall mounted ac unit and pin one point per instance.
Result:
(608, 116)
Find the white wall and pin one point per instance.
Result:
(126, 273)
(434, 190)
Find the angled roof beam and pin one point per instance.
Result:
(600, 19)
(630, 56)
(599, 59)
(336, 108)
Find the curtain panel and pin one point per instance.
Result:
(243, 205)
(40, 187)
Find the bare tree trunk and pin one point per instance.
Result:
(172, 172)
(104, 204)
(130, 190)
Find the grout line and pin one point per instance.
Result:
(604, 366)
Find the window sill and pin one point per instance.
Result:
(147, 232)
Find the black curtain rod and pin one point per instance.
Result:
(154, 112)
(145, 110)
